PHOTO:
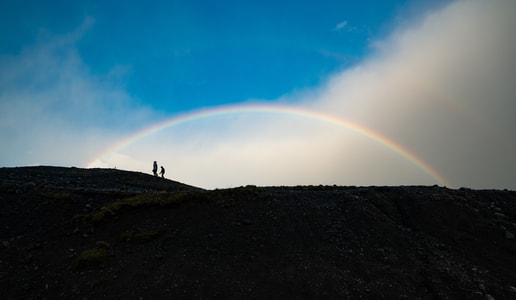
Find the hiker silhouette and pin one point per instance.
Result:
(155, 168)
(162, 172)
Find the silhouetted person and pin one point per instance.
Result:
(155, 169)
(162, 172)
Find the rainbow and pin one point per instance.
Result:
(272, 109)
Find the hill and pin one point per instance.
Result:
(100, 233)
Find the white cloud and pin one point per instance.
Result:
(443, 89)
(341, 25)
(53, 110)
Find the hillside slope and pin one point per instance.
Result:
(97, 233)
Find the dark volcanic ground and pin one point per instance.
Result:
(99, 233)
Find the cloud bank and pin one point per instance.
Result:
(442, 89)
(54, 111)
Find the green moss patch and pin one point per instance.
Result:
(95, 256)
(141, 200)
(138, 236)
(59, 195)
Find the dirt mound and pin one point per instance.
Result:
(96, 233)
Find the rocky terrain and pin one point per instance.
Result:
(75, 233)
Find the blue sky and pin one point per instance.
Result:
(344, 92)
(181, 55)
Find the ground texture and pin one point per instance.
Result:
(109, 234)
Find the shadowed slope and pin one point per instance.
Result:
(98, 233)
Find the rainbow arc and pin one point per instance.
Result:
(273, 109)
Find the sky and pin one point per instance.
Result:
(229, 93)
